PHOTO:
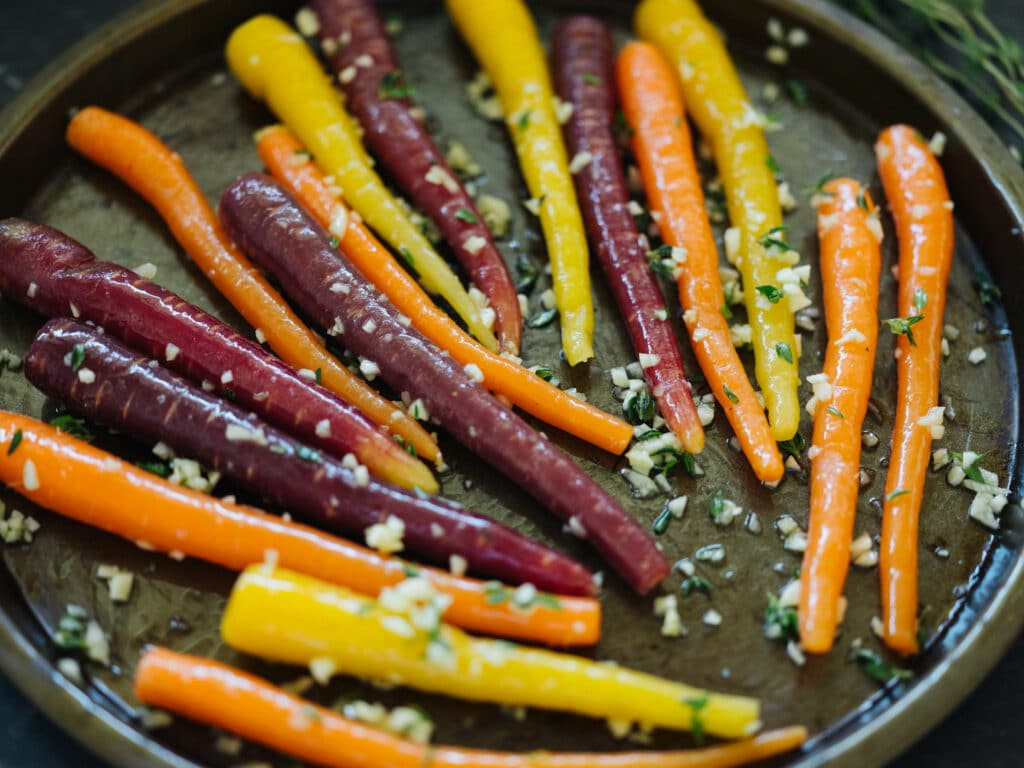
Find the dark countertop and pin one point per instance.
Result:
(983, 731)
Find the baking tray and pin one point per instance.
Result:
(162, 64)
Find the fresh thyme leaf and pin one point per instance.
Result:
(591, 79)
(526, 274)
(988, 291)
(77, 357)
(730, 394)
(524, 120)
(622, 124)
(333, 242)
(772, 165)
(797, 91)
(877, 669)
(795, 446)
(862, 201)
(158, 468)
(819, 188)
(70, 425)
(466, 215)
(716, 508)
(784, 352)
(780, 623)
(407, 255)
(920, 300)
(772, 239)
(544, 319)
(902, 325)
(392, 87)
(695, 584)
(835, 412)
(544, 373)
(892, 495)
(770, 292)
(638, 408)
(661, 522)
(15, 442)
(696, 705)
(726, 311)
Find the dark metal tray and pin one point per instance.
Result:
(162, 64)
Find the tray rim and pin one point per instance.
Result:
(908, 718)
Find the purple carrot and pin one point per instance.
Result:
(47, 271)
(582, 58)
(357, 44)
(109, 383)
(267, 223)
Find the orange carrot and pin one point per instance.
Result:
(919, 200)
(84, 483)
(850, 260)
(277, 145)
(662, 145)
(215, 694)
(142, 161)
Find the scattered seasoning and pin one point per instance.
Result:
(795, 446)
(639, 408)
(661, 521)
(773, 166)
(770, 292)
(466, 215)
(797, 91)
(15, 442)
(544, 373)
(862, 201)
(696, 705)
(77, 357)
(334, 242)
(988, 292)
(159, 468)
(405, 254)
(780, 622)
(819, 188)
(896, 494)
(318, 375)
(877, 669)
(591, 79)
(784, 352)
(392, 87)
(835, 412)
(544, 319)
(526, 274)
(730, 394)
(524, 120)
(902, 325)
(695, 584)
(622, 125)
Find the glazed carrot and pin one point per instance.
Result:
(142, 161)
(662, 146)
(502, 36)
(286, 617)
(916, 190)
(370, 75)
(582, 56)
(277, 145)
(276, 66)
(215, 694)
(84, 483)
(850, 262)
(719, 106)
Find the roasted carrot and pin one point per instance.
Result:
(275, 65)
(48, 272)
(718, 103)
(582, 56)
(215, 694)
(382, 102)
(850, 262)
(504, 39)
(287, 617)
(663, 148)
(84, 483)
(916, 190)
(500, 375)
(148, 166)
(126, 391)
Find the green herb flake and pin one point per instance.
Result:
(730, 394)
(892, 495)
(920, 300)
(695, 584)
(495, 593)
(70, 425)
(773, 166)
(410, 571)
(780, 623)
(524, 120)
(318, 374)
(771, 240)
(544, 319)
(77, 357)
(544, 373)
(988, 292)
(770, 292)
(877, 669)
(783, 350)
(70, 634)
(696, 705)
(526, 274)
(407, 255)
(622, 125)
(392, 87)
(797, 91)
(639, 408)
(158, 468)
(333, 242)
(835, 412)
(466, 215)
(819, 188)
(902, 325)
(591, 79)
(15, 442)
(716, 507)
(726, 312)
(795, 446)
(862, 200)
(661, 522)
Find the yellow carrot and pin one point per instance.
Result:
(718, 104)
(504, 40)
(275, 65)
(291, 618)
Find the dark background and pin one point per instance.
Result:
(984, 731)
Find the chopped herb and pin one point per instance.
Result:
(392, 87)
(158, 468)
(835, 412)
(896, 494)
(797, 91)
(726, 312)
(466, 215)
(696, 705)
(770, 292)
(988, 291)
(544, 373)
(695, 584)
(773, 166)
(77, 357)
(782, 349)
(70, 425)
(770, 239)
(308, 454)
(405, 254)
(544, 319)
(70, 634)
(333, 242)
(662, 267)
(648, 435)
(526, 274)
(524, 120)
(15, 442)
(901, 325)
(717, 506)
(622, 125)
(229, 395)
(410, 571)
(661, 521)
(972, 470)
(795, 446)
(495, 593)
(920, 299)
(591, 79)
(279, 449)
(862, 200)
(730, 394)
(663, 251)
(819, 188)
(318, 374)
(877, 669)
(780, 623)
(639, 408)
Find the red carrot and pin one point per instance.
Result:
(286, 241)
(130, 393)
(582, 53)
(376, 93)
(50, 273)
